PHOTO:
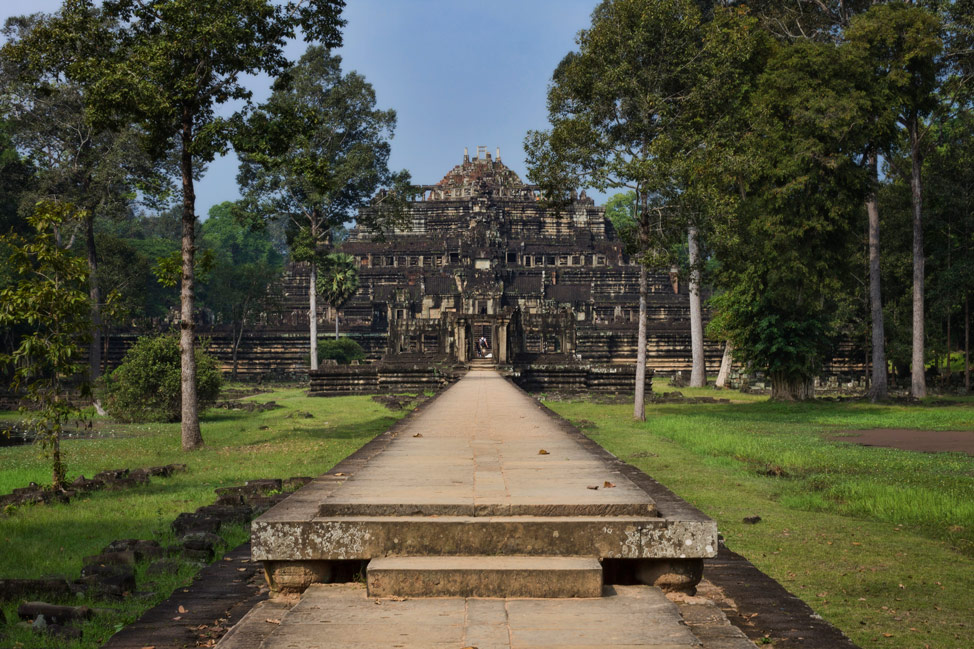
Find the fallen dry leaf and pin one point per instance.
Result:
(181, 610)
(593, 487)
(608, 485)
(149, 647)
(418, 435)
(543, 452)
(241, 570)
(339, 473)
(177, 618)
(272, 620)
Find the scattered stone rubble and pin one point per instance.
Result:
(111, 574)
(112, 480)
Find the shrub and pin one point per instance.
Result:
(146, 386)
(343, 350)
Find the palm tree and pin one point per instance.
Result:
(337, 282)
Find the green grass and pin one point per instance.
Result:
(878, 541)
(53, 539)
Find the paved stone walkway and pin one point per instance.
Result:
(485, 448)
(481, 492)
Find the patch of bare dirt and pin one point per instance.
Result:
(911, 439)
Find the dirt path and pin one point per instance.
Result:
(910, 439)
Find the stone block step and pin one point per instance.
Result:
(367, 537)
(485, 576)
(336, 509)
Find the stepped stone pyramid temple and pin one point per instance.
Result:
(554, 297)
(483, 266)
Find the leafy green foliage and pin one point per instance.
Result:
(338, 280)
(341, 350)
(317, 151)
(49, 296)
(784, 249)
(146, 386)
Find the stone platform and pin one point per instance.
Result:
(483, 470)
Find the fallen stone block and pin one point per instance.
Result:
(162, 567)
(265, 486)
(143, 549)
(228, 513)
(201, 541)
(186, 523)
(52, 613)
(14, 589)
(117, 558)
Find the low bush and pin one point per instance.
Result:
(146, 386)
(343, 350)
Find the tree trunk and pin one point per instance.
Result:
(57, 469)
(918, 384)
(336, 324)
(879, 388)
(725, 366)
(236, 346)
(190, 428)
(967, 343)
(698, 373)
(94, 347)
(313, 315)
(639, 407)
(787, 388)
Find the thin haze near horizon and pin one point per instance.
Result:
(458, 74)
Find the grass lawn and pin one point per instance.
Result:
(52, 539)
(880, 542)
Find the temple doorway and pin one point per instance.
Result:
(482, 341)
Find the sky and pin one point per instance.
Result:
(459, 73)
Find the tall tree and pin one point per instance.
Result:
(338, 283)
(611, 105)
(784, 248)
(172, 65)
(49, 295)
(95, 168)
(314, 154)
(903, 43)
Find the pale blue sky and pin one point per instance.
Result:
(458, 73)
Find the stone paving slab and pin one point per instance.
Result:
(343, 615)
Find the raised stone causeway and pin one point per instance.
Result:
(483, 521)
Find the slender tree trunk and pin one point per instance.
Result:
(94, 347)
(698, 373)
(918, 386)
(879, 388)
(313, 315)
(725, 366)
(967, 343)
(237, 337)
(336, 324)
(949, 306)
(57, 470)
(190, 429)
(639, 407)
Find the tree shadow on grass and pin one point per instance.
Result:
(364, 430)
